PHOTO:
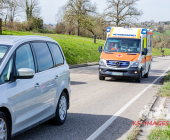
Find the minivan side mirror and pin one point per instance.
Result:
(145, 51)
(100, 49)
(25, 73)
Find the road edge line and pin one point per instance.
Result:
(119, 112)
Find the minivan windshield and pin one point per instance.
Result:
(3, 51)
(123, 45)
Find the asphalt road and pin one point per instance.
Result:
(94, 102)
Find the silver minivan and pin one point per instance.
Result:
(34, 83)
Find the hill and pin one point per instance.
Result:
(77, 50)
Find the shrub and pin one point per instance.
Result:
(60, 28)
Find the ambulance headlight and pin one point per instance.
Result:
(102, 62)
(134, 64)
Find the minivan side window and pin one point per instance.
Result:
(43, 55)
(24, 58)
(57, 54)
(6, 75)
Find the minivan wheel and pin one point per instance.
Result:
(61, 111)
(139, 77)
(4, 129)
(101, 78)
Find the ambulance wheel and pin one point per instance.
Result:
(101, 78)
(147, 74)
(139, 77)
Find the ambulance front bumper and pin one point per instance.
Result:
(130, 72)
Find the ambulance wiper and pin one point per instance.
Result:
(109, 52)
(132, 53)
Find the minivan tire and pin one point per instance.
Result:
(101, 78)
(6, 126)
(59, 119)
(139, 77)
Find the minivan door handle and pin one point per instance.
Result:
(37, 85)
(56, 77)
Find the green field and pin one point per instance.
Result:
(157, 33)
(77, 50)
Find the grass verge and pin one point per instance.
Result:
(157, 52)
(77, 50)
(160, 133)
(133, 135)
(165, 89)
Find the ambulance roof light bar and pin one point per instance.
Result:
(109, 29)
(126, 27)
(144, 31)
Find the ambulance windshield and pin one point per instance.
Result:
(123, 45)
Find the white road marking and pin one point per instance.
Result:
(118, 113)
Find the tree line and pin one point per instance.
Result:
(76, 17)
(80, 17)
(30, 9)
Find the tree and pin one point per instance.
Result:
(12, 9)
(3, 5)
(95, 24)
(31, 8)
(76, 10)
(59, 17)
(119, 12)
(160, 29)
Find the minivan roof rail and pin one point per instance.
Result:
(30, 36)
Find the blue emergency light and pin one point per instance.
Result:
(110, 62)
(124, 64)
(109, 29)
(144, 31)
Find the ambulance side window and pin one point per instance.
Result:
(143, 45)
(150, 40)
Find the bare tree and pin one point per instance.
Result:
(160, 29)
(119, 12)
(12, 9)
(59, 17)
(31, 8)
(76, 10)
(3, 5)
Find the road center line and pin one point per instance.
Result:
(118, 113)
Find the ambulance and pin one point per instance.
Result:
(127, 53)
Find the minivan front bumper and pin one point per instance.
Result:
(131, 72)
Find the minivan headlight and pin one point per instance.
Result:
(102, 62)
(134, 64)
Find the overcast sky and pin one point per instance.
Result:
(157, 10)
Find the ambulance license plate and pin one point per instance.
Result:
(117, 73)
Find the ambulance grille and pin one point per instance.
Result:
(118, 64)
